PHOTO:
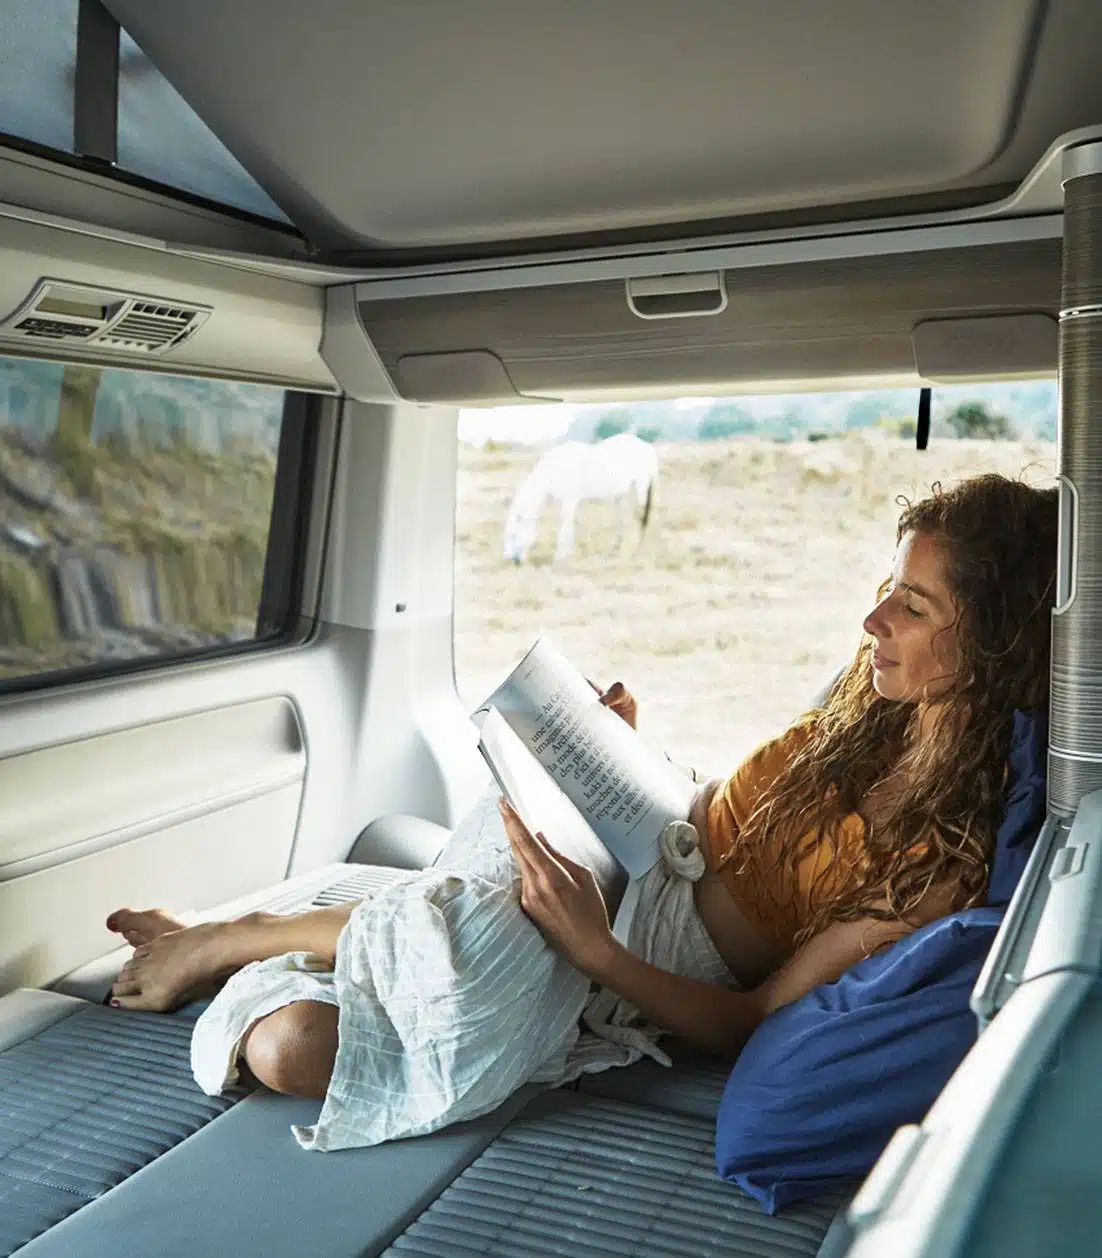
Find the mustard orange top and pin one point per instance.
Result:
(776, 901)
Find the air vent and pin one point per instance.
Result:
(94, 317)
(149, 326)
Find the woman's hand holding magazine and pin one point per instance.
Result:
(562, 897)
(619, 699)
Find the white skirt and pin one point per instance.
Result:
(449, 999)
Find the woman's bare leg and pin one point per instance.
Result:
(139, 928)
(293, 1049)
(169, 967)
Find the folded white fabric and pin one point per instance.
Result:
(667, 931)
(448, 997)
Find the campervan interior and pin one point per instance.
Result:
(254, 258)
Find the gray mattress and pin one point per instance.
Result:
(593, 1177)
(83, 1105)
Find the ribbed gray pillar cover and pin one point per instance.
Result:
(1075, 755)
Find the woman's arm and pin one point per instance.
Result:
(565, 903)
(563, 900)
(834, 949)
(710, 1017)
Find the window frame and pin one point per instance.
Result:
(294, 518)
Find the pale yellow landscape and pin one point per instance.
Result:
(745, 595)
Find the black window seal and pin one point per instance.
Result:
(285, 562)
(296, 624)
(96, 85)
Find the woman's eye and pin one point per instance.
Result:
(913, 611)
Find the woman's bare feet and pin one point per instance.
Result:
(173, 963)
(139, 928)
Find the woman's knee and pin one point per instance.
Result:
(293, 1049)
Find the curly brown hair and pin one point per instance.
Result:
(999, 539)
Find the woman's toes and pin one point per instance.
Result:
(138, 1001)
(113, 920)
(141, 927)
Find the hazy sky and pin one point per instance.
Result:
(536, 424)
(515, 424)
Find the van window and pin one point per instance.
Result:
(772, 522)
(38, 58)
(162, 138)
(143, 518)
(159, 136)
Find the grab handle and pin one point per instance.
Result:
(1067, 546)
(677, 296)
(990, 985)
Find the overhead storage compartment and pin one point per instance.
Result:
(841, 320)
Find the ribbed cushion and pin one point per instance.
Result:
(86, 1103)
(588, 1176)
(356, 886)
(693, 1085)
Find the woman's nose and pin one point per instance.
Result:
(875, 623)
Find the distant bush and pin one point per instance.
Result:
(904, 428)
(611, 426)
(819, 436)
(973, 419)
(649, 433)
(724, 419)
(1046, 427)
(718, 429)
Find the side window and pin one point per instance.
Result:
(143, 517)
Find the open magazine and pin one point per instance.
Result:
(577, 772)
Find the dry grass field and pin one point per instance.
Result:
(746, 594)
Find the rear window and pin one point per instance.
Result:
(771, 523)
(143, 518)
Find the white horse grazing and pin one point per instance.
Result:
(613, 468)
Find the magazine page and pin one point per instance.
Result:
(626, 790)
(544, 808)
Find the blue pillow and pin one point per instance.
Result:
(824, 1082)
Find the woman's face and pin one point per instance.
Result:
(914, 626)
